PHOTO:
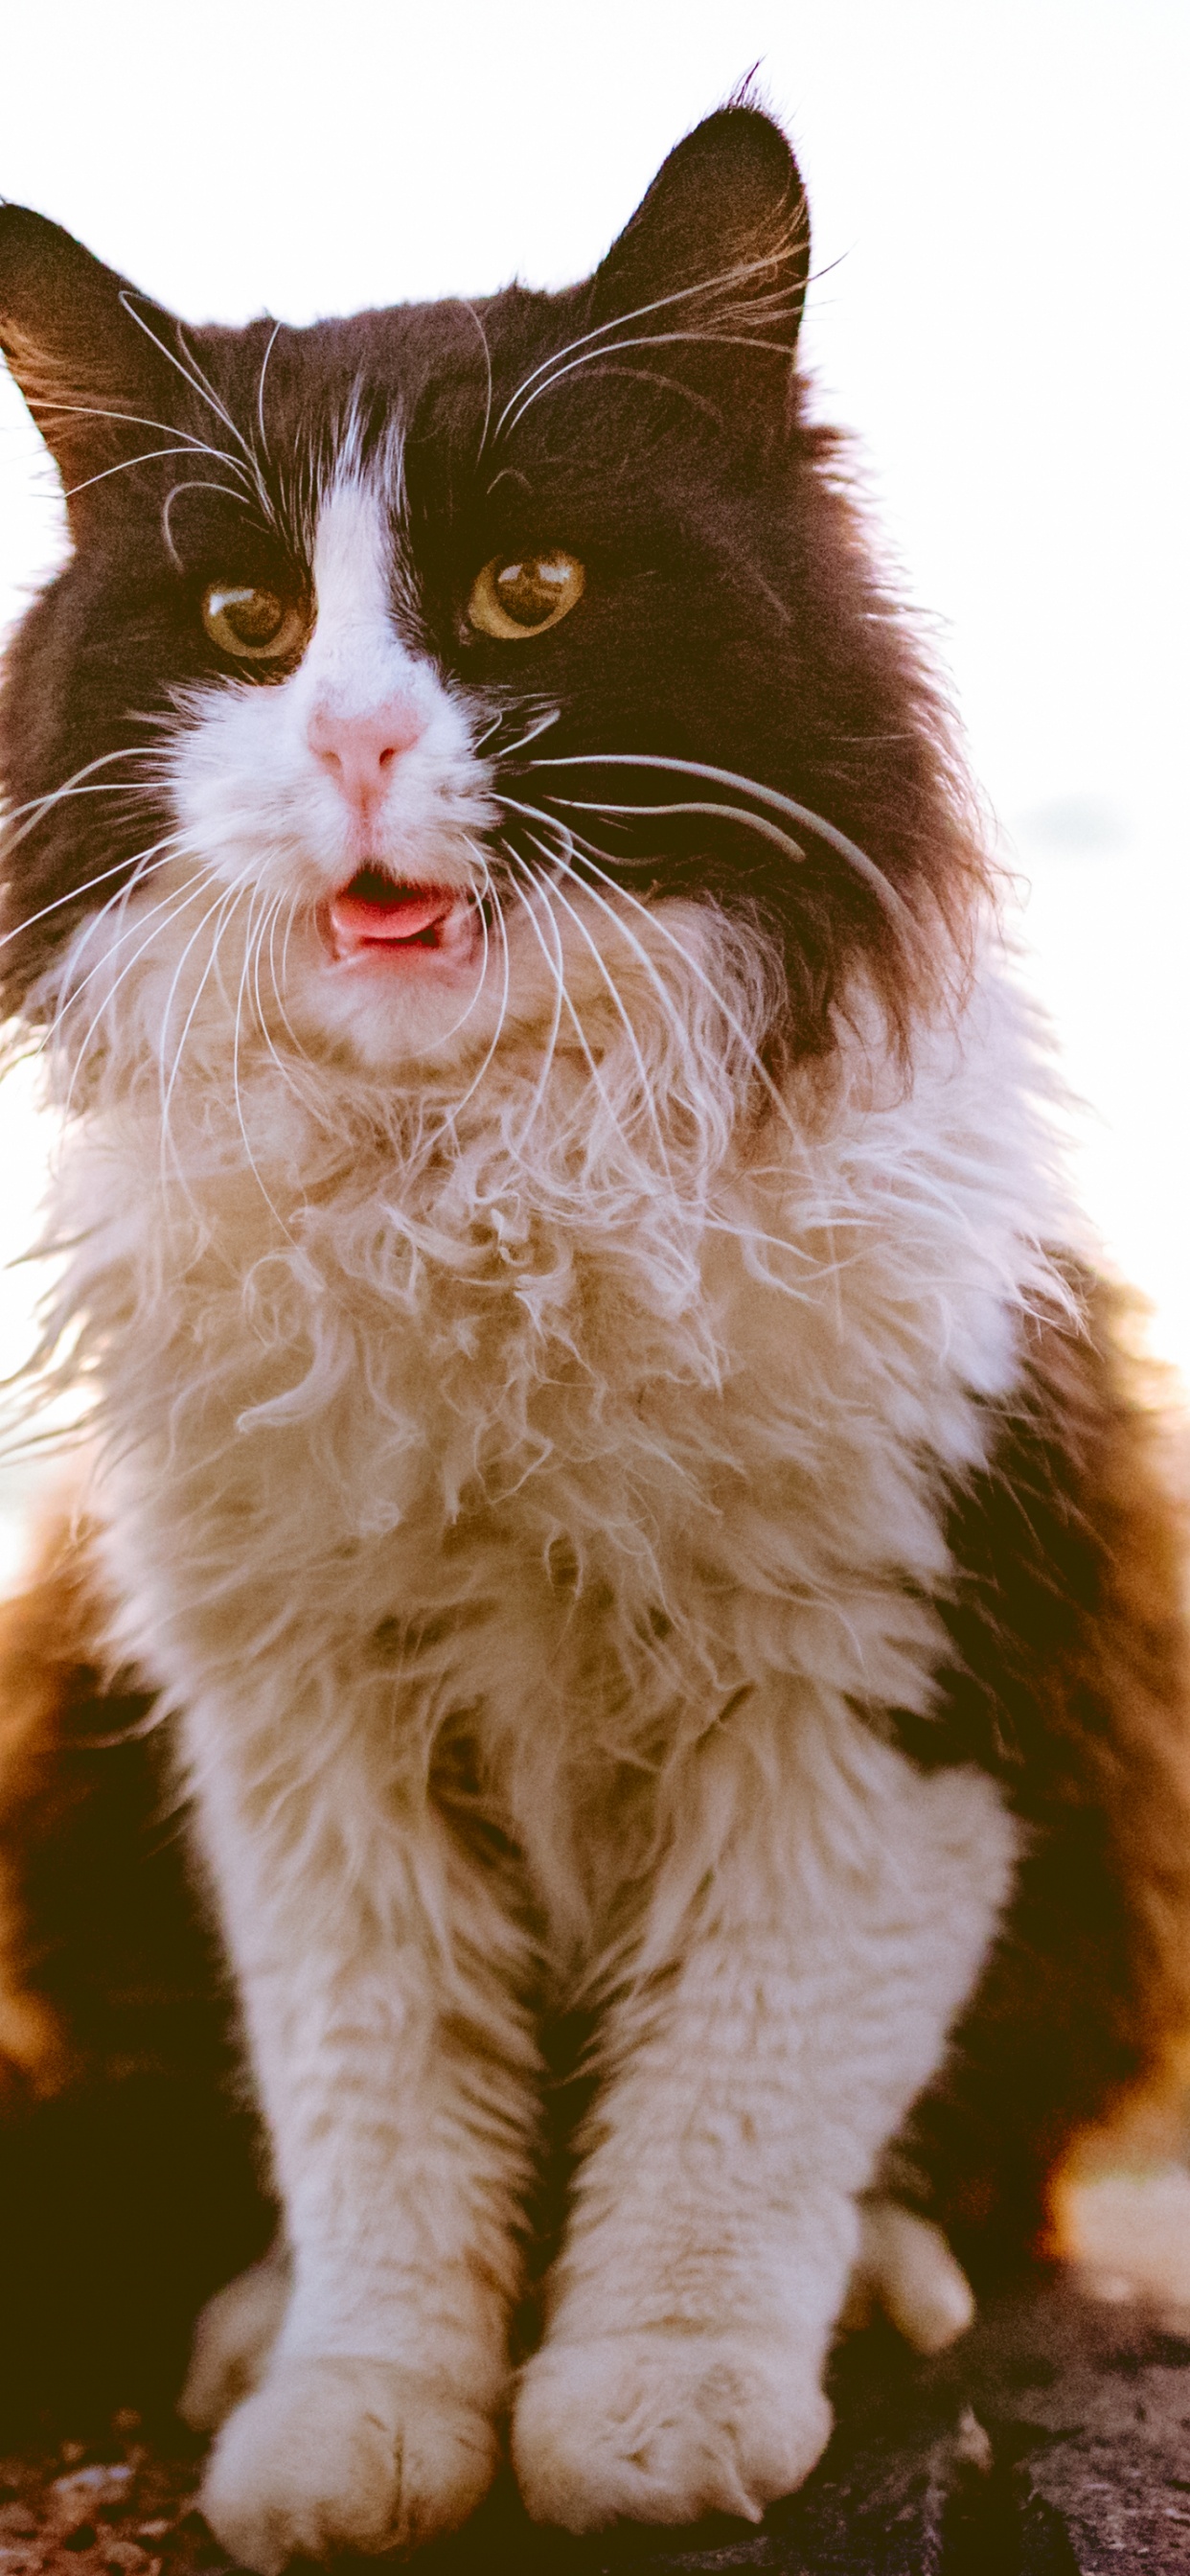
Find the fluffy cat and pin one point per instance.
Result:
(605, 1449)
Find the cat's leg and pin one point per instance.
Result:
(378, 1968)
(906, 2267)
(233, 2339)
(823, 1912)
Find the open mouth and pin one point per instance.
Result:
(385, 919)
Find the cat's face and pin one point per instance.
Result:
(409, 656)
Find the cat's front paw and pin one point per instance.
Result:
(343, 2454)
(664, 2427)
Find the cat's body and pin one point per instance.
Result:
(548, 1339)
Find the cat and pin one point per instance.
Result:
(608, 1450)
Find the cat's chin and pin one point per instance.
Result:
(388, 1014)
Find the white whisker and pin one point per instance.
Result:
(139, 420)
(815, 824)
(745, 1233)
(224, 903)
(559, 968)
(75, 896)
(36, 806)
(481, 899)
(277, 983)
(646, 340)
(193, 484)
(736, 276)
(264, 438)
(182, 903)
(487, 354)
(126, 465)
(556, 967)
(236, 1088)
(142, 871)
(648, 1103)
(458, 1106)
(590, 858)
(194, 376)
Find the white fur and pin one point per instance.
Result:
(906, 2267)
(535, 1425)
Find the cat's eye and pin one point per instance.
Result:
(518, 596)
(255, 624)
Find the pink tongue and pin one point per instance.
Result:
(361, 920)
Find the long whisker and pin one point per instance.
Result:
(736, 276)
(629, 937)
(181, 905)
(481, 899)
(224, 903)
(292, 1073)
(590, 859)
(140, 420)
(541, 725)
(38, 805)
(194, 376)
(703, 805)
(816, 825)
(149, 457)
(646, 340)
(75, 895)
(267, 924)
(223, 906)
(114, 906)
(294, 907)
(647, 1099)
(147, 865)
(556, 968)
(750, 1233)
(62, 795)
(237, 1092)
(457, 1106)
(193, 483)
(559, 970)
(264, 436)
(487, 355)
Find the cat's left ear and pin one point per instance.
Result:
(707, 282)
(88, 353)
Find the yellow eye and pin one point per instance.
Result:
(257, 625)
(514, 599)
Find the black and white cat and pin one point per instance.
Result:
(595, 1406)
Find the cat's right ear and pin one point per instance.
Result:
(86, 351)
(707, 282)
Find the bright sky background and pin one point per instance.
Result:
(998, 189)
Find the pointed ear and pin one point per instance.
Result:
(709, 278)
(96, 384)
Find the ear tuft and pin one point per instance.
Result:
(712, 268)
(84, 365)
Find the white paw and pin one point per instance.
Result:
(343, 2454)
(233, 2338)
(907, 2267)
(664, 2427)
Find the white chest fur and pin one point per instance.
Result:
(574, 1412)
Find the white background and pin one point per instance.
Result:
(998, 189)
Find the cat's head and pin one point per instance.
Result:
(410, 654)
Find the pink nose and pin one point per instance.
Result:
(361, 750)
